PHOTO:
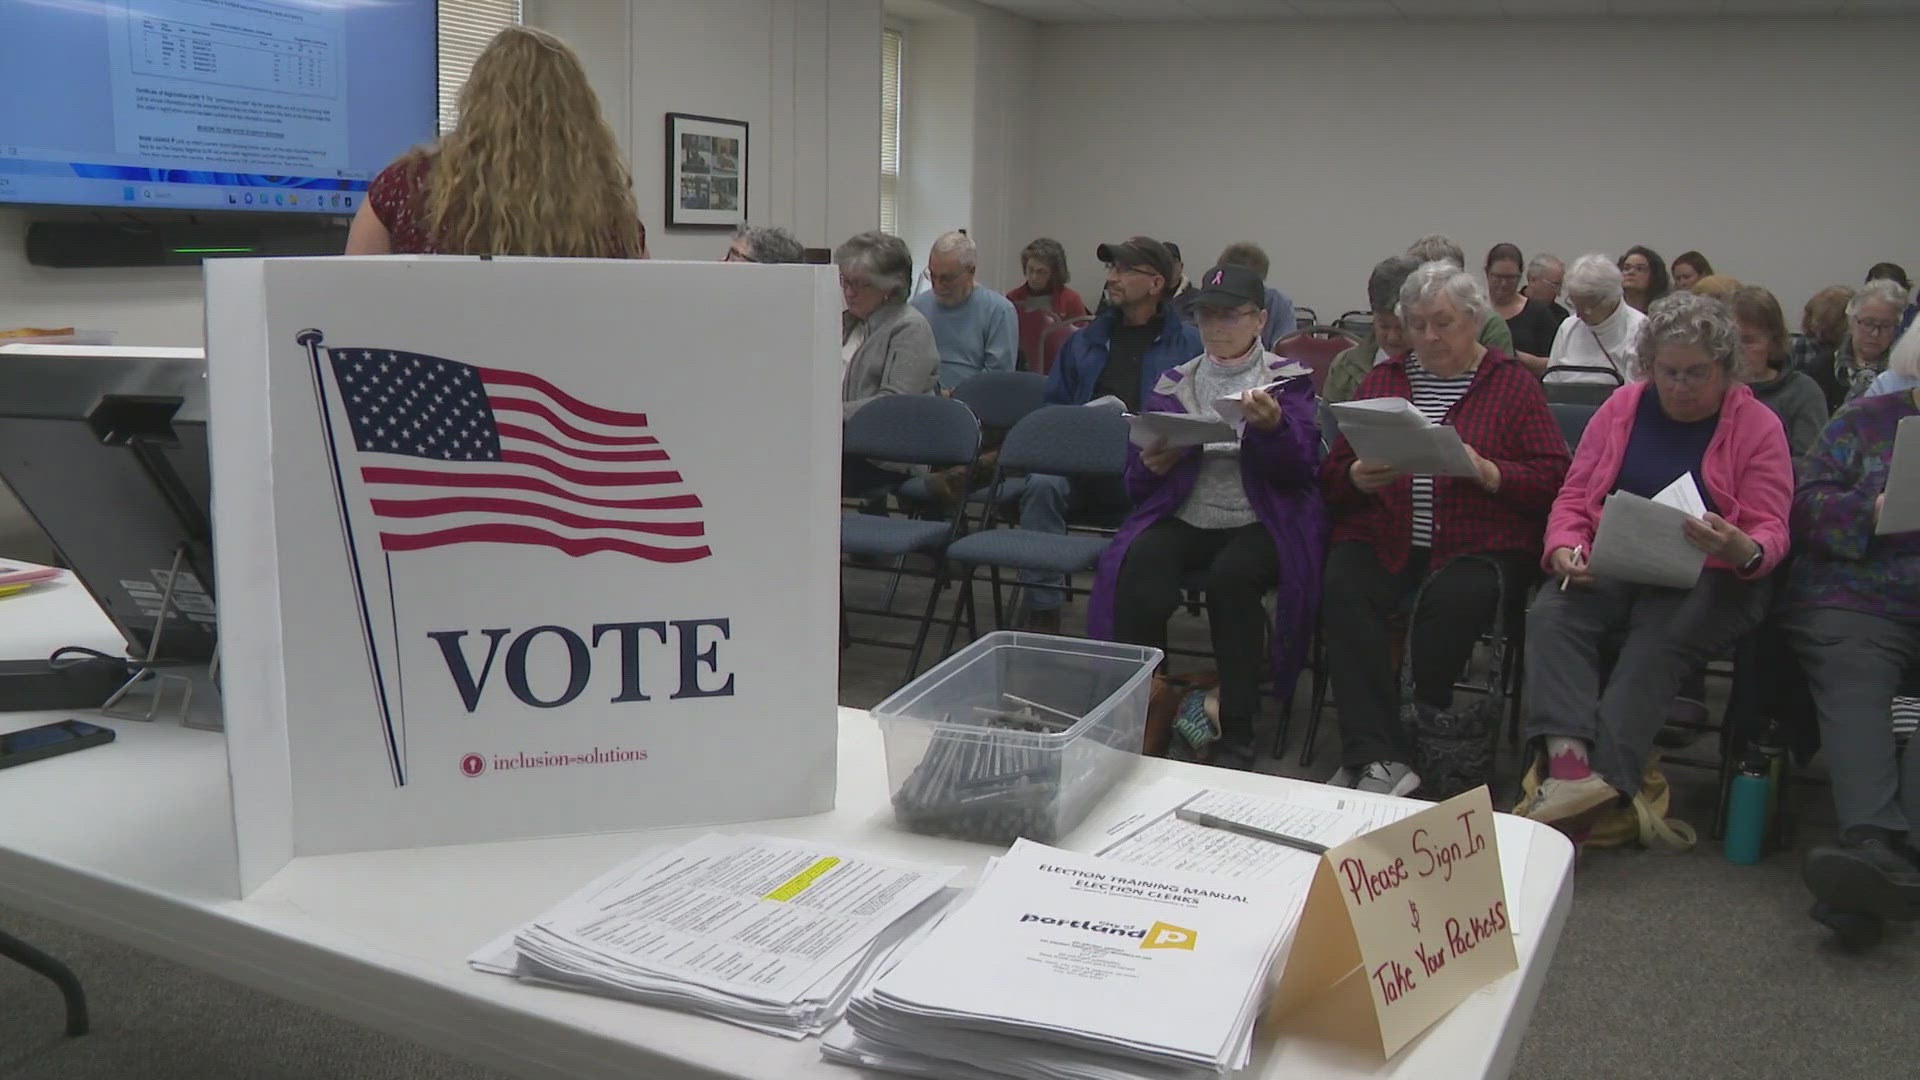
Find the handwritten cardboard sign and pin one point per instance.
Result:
(1417, 911)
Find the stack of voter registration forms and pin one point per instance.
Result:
(770, 934)
(1068, 966)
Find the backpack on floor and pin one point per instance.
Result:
(1453, 749)
(1645, 822)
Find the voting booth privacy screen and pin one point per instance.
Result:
(521, 547)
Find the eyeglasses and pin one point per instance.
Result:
(1221, 316)
(847, 284)
(941, 281)
(1503, 277)
(1876, 326)
(1635, 268)
(736, 256)
(1115, 268)
(1697, 375)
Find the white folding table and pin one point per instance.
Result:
(134, 841)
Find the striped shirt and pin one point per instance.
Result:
(1434, 396)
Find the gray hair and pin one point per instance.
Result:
(1878, 291)
(1593, 277)
(1443, 278)
(1686, 318)
(1438, 248)
(960, 244)
(1383, 285)
(1538, 266)
(771, 244)
(881, 258)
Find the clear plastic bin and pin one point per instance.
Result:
(1015, 735)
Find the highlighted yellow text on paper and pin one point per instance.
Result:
(798, 883)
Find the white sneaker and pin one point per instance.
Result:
(1388, 778)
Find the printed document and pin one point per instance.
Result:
(1391, 431)
(1901, 514)
(1645, 542)
(1090, 953)
(1157, 430)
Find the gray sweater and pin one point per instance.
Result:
(1219, 496)
(1801, 406)
(897, 357)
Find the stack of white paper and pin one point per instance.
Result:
(1390, 431)
(1901, 514)
(1645, 540)
(1063, 966)
(770, 934)
(1160, 430)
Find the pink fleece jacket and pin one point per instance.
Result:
(1747, 469)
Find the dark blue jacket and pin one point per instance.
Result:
(1077, 370)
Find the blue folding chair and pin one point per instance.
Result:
(1074, 441)
(1000, 399)
(918, 430)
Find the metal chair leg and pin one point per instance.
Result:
(36, 961)
(926, 621)
(1315, 704)
(963, 596)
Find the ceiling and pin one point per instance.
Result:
(1076, 11)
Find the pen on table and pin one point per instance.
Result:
(1195, 817)
(1577, 554)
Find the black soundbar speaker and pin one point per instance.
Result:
(78, 244)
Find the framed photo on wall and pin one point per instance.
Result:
(706, 171)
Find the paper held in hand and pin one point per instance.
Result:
(1901, 513)
(1401, 924)
(1390, 431)
(1157, 430)
(1644, 541)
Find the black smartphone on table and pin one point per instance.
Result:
(50, 740)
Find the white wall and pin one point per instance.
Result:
(805, 74)
(1772, 146)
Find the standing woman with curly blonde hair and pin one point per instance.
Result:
(532, 169)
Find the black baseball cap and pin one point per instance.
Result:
(1143, 252)
(1231, 286)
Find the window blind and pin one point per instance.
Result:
(466, 27)
(890, 49)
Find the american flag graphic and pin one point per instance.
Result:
(455, 453)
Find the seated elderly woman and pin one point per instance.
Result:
(1603, 330)
(1762, 363)
(1685, 415)
(1246, 514)
(1873, 318)
(1044, 263)
(1823, 326)
(1392, 532)
(1851, 612)
(886, 347)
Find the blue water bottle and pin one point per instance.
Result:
(1747, 806)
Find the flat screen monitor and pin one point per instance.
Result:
(107, 449)
(278, 106)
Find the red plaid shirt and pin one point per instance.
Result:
(1504, 417)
